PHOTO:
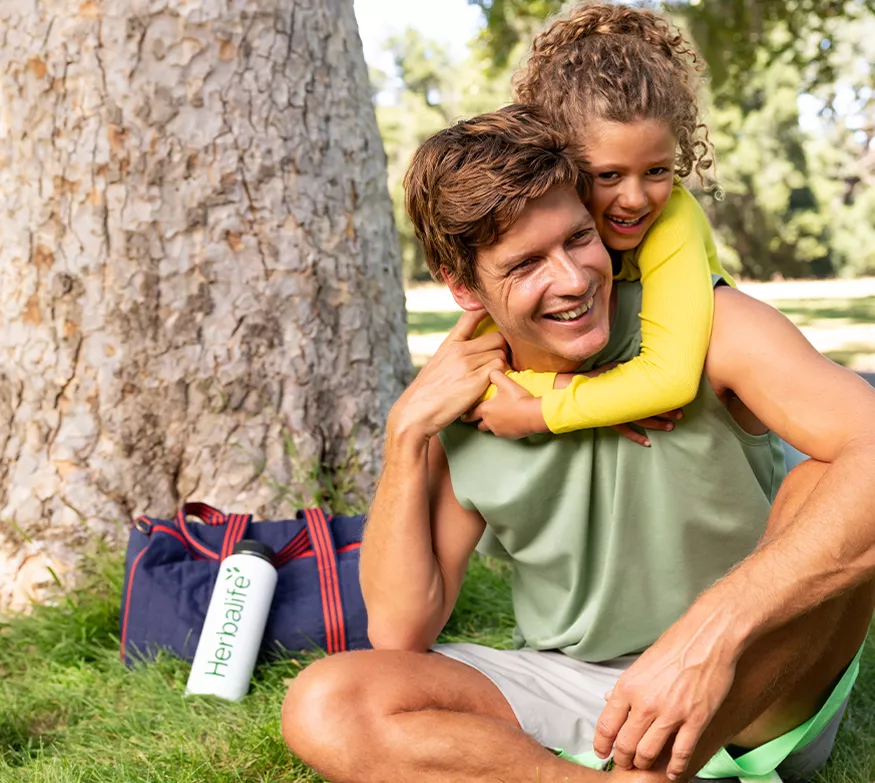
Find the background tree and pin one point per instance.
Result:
(792, 112)
(201, 289)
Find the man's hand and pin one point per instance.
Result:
(512, 413)
(674, 688)
(451, 381)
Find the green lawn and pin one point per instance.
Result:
(807, 312)
(72, 713)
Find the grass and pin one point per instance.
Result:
(808, 312)
(71, 712)
(431, 322)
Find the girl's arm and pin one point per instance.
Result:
(676, 312)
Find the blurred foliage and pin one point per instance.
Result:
(791, 111)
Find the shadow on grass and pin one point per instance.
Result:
(806, 312)
(22, 740)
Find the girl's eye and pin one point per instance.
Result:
(658, 171)
(608, 175)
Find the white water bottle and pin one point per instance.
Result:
(234, 625)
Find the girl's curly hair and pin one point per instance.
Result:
(621, 64)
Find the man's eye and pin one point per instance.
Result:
(583, 234)
(524, 264)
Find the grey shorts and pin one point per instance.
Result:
(558, 699)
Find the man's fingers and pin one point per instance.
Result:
(466, 325)
(626, 744)
(501, 380)
(609, 724)
(651, 745)
(682, 750)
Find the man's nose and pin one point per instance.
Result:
(632, 196)
(569, 277)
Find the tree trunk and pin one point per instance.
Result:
(199, 275)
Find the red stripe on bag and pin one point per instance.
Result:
(128, 601)
(183, 527)
(235, 524)
(335, 582)
(311, 553)
(322, 533)
(293, 549)
(204, 512)
(322, 566)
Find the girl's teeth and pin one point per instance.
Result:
(626, 222)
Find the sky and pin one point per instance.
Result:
(452, 22)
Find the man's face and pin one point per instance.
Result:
(547, 284)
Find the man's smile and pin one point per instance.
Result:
(574, 314)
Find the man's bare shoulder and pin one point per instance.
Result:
(758, 354)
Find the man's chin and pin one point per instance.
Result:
(576, 352)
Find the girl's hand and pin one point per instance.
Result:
(512, 413)
(664, 422)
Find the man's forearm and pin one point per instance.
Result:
(826, 549)
(400, 577)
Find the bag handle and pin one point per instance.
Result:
(235, 528)
(329, 582)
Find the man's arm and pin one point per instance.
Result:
(418, 538)
(416, 547)
(829, 548)
(828, 413)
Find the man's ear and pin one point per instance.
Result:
(466, 298)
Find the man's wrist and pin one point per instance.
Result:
(404, 429)
(729, 613)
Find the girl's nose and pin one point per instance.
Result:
(632, 196)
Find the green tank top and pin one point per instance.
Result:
(611, 542)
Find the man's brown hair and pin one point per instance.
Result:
(468, 184)
(621, 64)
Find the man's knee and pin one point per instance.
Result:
(323, 706)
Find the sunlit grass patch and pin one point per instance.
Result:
(71, 712)
(807, 312)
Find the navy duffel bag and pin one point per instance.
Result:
(172, 565)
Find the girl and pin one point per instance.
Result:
(622, 86)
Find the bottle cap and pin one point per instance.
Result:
(250, 547)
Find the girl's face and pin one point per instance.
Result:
(632, 165)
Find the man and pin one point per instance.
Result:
(610, 543)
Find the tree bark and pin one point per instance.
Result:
(199, 274)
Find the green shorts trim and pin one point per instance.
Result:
(759, 764)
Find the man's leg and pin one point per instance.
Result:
(382, 715)
(387, 716)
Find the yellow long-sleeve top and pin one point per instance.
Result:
(675, 262)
